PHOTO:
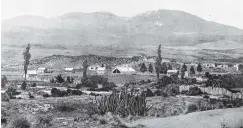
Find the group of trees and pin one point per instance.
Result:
(163, 68)
(143, 68)
(60, 79)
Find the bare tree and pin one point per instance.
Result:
(27, 56)
(158, 62)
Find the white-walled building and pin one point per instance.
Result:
(97, 69)
(70, 70)
(42, 70)
(172, 72)
(125, 69)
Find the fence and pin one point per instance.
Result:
(212, 91)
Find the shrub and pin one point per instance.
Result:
(191, 108)
(206, 96)
(12, 91)
(5, 97)
(158, 92)
(59, 79)
(46, 95)
(21, 122)
(30, 95)
(149, 93)
(57, 93)
(193, 91)
(109, 85)
(123, 104)
(165, 80)
(185, 92)
(52, 80)
(43, 121)
(171, 90)
(74, 92)
(33, 85)
(24, 85)
(78, 86)
(89, 83)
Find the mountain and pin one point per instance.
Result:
(168, 27)
(181, 34)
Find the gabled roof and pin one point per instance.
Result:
(69, 69)
(172, 71)
(31, 72)
(125, 69)
(41, 68)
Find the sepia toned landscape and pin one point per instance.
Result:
(157, 69)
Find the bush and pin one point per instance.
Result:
(89, 83)
(67, 106)
(149, 93)
(24, 85)
(165, 80)
(43, 121)
(59, 79)
(193, 91)
(46, 95)
(78, 86)
(52, 80)
(12, 91)
(191, 108)
(30, 95)
(74, 92)
(5, 97)
(171, 90)
(109, 85)
(123, 104)
(158, 92)
(206, 96)
(21, 122)
(57, 93)
(33, 85)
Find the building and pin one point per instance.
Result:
(31, 74)
(209, 65)
(99, 70)
(123, 70)
(172, 72)
(42, 70)
(238, 67)
(70, 70)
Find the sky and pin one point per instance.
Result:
(229, 12)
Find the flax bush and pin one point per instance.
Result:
(124, 104)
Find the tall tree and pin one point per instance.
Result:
(184, 67)
(182, 72)
(151, 68)
(163, 69)
(85, 67)
(27, 56)
(143, 68)
(158, 62)
(199, 68)
(4, 81)
(169, 66)
(192, 71)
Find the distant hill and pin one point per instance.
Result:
(183, 36)
(168, 27)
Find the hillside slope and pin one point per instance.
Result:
(168, 27)
(232, 118)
